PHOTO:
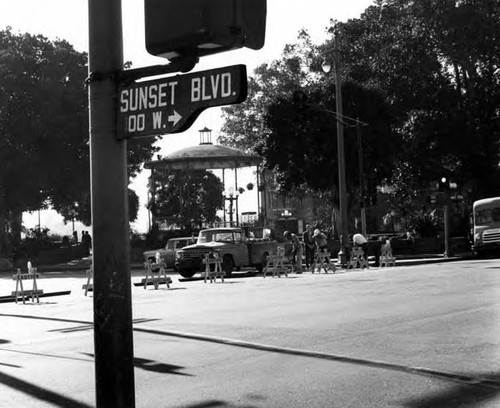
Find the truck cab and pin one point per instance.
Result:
(237, 247)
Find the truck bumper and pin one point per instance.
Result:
(484, 247)
(192, 264)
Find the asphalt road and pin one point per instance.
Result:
(419, 336)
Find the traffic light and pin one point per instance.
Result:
(195, 28)
(444, 184)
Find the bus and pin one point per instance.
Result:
(486, 229)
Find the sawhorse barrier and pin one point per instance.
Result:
(213, 267)
(156, 274)
(90, 277)
(324, 261)
(357, 259)
(386, 256)
(20, 291)
(278, 264)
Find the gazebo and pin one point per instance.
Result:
(207, 156)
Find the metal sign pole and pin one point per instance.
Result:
(113, 340)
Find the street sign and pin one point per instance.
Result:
(172, 104)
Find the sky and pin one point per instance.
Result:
(68, 20)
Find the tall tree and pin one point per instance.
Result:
(290, 120)
(302, 145)
(437, 63)
(44, 130)
(187, 199)
(244, 125)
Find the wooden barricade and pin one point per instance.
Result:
(386, 256)
(213, 267)
(324, 261)
(34, 292)
(277, 263)
(357, 259)
(156, 273)
(90, 278)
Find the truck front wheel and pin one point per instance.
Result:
(187, 273)
(228, 265)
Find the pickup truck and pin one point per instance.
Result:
(237, 247)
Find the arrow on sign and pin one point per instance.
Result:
(174, 118)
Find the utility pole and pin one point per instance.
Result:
(341, 157)
(113, 339)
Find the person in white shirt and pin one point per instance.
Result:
(360, 241)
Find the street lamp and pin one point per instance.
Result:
(341, 156)
(231, 197)
(73, 213)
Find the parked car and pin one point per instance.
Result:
(168, 253)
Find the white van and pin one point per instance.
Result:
(486, 217)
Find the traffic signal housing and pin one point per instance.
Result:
(196, 28)
(444, 184)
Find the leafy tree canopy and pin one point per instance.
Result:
(290, 120)
(438, 65)
(44, 129)
(187, 199)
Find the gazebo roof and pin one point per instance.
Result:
(203, 157)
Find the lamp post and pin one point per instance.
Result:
(341, 157)
(446, 216)
(73, 213)
(231, 197)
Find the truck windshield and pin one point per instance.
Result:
(487, 216)
(218, 236)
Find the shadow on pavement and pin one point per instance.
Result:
(41, 394)
(235, 275)
(55, 319)
(86, 324)
(154, 366)
(215, 404)
(10, 365)
(460, 395)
